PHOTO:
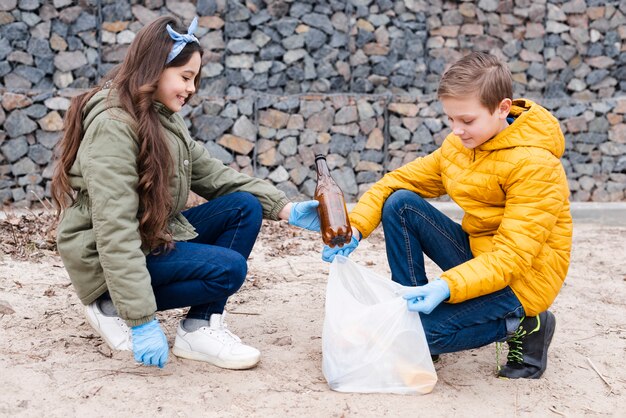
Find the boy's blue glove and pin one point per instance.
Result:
(426, 298)
(150, 344)
(328, 254)
(304, 215)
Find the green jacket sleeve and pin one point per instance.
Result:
(110, 170)
(210, 178)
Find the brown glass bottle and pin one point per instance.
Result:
(335, 225)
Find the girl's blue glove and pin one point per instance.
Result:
(426, 298)
(150, 344)
(328, 254)
(304, 215)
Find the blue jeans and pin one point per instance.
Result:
(204, 272)
(414, 228)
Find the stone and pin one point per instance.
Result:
(617, 133)
(273, 118)
(576, 124)
(40, 154)
(239, 61)
(69, 61)
(209, 128)
(51, 122)
(296, 122)
(488, 5)
(270, 158)
(57, 103)
(556, 27)
(319, 21)
(294, 55)
(375, 140)
(346, 115)
(48, 139)
(321, 121)
(351, 129)
(279, 175)
(365, 110)
(236, 143)
(18, 123)
(345, 179)
(600, 62)
(404, 109)
(288, 146)
(244, 128)
(24, 166)
(12, 101)
(14, 149)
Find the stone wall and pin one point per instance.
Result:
(354, 79)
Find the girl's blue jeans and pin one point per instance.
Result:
(204, 272)
(414, 228)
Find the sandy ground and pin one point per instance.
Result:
(52, 363)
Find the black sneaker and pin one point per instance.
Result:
(528, 347)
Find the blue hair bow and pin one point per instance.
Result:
(181, 40)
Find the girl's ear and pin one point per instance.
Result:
(504, 108)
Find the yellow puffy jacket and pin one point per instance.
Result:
(514, 193)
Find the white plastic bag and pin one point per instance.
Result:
(370, 341)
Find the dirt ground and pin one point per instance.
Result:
(52, 363)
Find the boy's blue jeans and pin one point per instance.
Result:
(414, 228)
(204, 272)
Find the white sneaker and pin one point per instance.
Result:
(112, 329)
(215, 344)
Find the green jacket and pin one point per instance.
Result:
(98, 236)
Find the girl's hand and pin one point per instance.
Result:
(150, 344)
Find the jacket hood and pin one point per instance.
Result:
(533, 126)
(107, 100)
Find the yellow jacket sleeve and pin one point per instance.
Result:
(422, 176)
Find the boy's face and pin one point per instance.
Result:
(472, 122)
(177, 83)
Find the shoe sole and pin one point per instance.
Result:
(232, 365)
(94, 325)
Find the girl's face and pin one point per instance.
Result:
(472, 122)
(177, 83)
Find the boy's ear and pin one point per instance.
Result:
(504, 108)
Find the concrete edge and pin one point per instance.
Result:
(601, 213)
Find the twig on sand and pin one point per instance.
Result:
(46, 206)
(293, 268)
(118, 372)
(595, 369)
(243, 313)
(553, 409)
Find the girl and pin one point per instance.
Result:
(126, 166)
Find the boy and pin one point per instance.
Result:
(503, 267)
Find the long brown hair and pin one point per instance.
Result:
(135, 81)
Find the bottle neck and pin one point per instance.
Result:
(321, 167)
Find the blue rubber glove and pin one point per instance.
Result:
(426, 298)
(149, 344)
(328, 253)
(304, 215)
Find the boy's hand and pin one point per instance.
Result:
(426, 298)
(328, 253)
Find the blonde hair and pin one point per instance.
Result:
(478, 73)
